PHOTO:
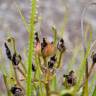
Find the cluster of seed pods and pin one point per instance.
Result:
(49, 62)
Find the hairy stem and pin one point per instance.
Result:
(31, 47)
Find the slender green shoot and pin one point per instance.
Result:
(31, 47)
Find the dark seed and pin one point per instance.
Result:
(33, 68)
(16, 59)
(94, 58)
(36, 37)
(71, 72)
(53, 58)
(43, 44)
(50, 65)
(70, 78)
(8, 52)
(16, 91)
(60, 45)
(65, 75)
(52, 62)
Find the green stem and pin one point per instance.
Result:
(31, 48)
(55, 34)
(60, 58)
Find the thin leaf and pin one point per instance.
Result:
(73, 60)
(22, 16)
(65, 22)
(55, 34)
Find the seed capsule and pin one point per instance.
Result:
(94, 58)
(16, 91)
(70, 79)
(47, 48)
(36, 37)
(33, 68)
(37, 45)
(8, 52)
(60, 45)
(16, 59)
(52, 62)
(38, 48)
(43, 44)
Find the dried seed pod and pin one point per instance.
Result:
(94, 58)
(36, 37)
(16, 59)
(52, 61)
(16, 91)
(37, 44)
(8, 52)
(33, 68)
(61, 46)
(47, 48)
(43, 44)
(38, 48)
(65, 75)
(70, 79)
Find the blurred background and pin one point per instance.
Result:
(64, 14)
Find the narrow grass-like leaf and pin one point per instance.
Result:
(55, 34)
(85, 89)
(65, 22)
(22, 16)
(81, 70)
(73, 60)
